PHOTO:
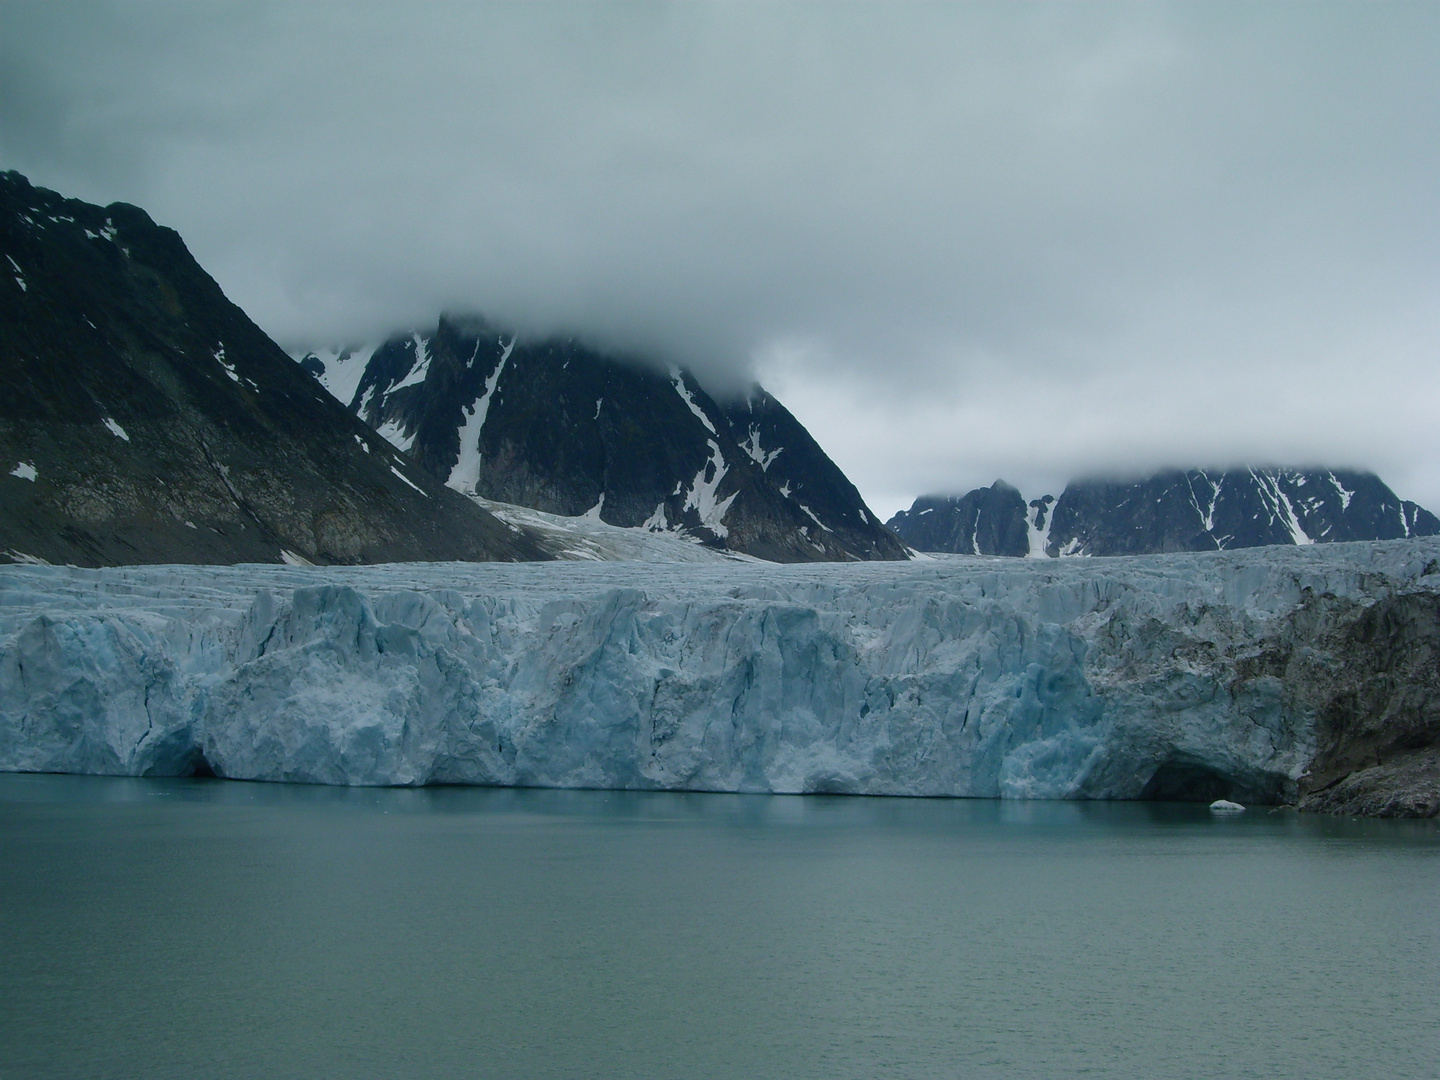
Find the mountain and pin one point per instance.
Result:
(559, 427)
(1205, 511)
(1194, 510)
(145, 419)
(986, 521)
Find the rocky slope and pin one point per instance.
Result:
(1270, 675)
(1170, 511)
(561, 428)
(145, 419)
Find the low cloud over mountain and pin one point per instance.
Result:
(960, 242)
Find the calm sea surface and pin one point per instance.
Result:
(216, 929)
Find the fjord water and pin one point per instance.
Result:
(214, 929)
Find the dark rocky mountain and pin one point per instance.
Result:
(560, 427)
(1194, 510)
(145, 419)
(1197, 510)
(986, 521)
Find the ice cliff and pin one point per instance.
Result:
(1220, 675)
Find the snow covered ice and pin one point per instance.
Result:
(951, 676)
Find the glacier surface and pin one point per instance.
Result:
(957, 676)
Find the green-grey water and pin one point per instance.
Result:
(213, 929)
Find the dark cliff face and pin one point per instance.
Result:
(144, 418)
(559, 427)
(1377, 709)
(1170, 511)
(1369, 676)
(986, 521)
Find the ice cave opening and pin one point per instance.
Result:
(1182, 780)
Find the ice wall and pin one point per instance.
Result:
(956, 676)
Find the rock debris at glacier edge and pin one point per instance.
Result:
(959, 676)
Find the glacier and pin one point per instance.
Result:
(1099, 678)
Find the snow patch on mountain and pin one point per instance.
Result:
(416, 375)
(408, 481)
(342, 369)
(1038, 521)
(23, 559)
(703, 496)
(812, 516)
(219, 355)
(395, 433)
(1207, 513)
(1345, 494)
(758, 453)
(466, 473)
(677, 379)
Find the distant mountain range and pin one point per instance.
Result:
(145, 419)
(1194, 510)
(559, 427)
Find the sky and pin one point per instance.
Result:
(961, 242)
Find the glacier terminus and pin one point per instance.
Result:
(1269, 675)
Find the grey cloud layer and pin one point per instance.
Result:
(964, 241)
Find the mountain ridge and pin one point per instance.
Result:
(1169, 511)
(559, 427)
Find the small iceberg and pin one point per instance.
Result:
(1225, 806)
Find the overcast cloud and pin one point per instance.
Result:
(960, 242)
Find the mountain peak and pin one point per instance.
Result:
(560, 427)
